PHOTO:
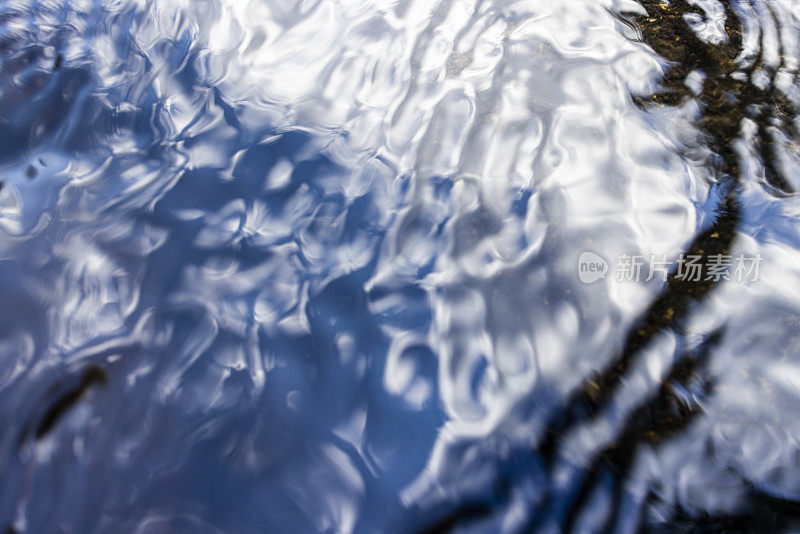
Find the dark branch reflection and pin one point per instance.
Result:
(728, 96)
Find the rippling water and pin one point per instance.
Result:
(312, 266)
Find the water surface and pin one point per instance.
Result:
(276, 266)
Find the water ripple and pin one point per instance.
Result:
(311, 266)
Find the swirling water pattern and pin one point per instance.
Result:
(277, 266)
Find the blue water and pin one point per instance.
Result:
(311, 266)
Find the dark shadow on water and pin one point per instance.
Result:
(92, 376)
(728, 96)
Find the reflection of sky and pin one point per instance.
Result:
(326, 252)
